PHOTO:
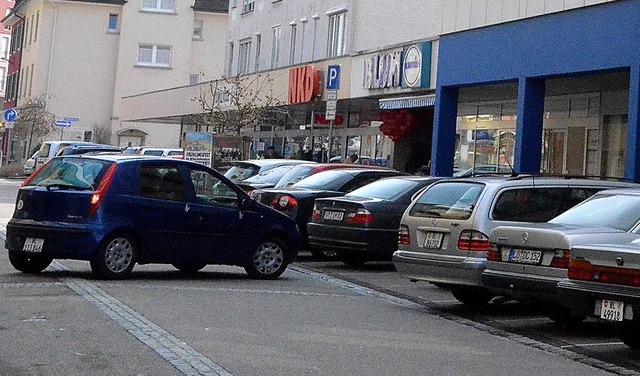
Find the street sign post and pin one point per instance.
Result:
(333, 77)
(63, 123)
(333, 85)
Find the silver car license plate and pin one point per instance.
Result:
(33, 245)
(611, 310)
(525, 256)
(333, 215)
(432, 240)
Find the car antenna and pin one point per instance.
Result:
(513, 172)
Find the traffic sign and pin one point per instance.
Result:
(71, 119)
(332, 105)
(10, 114)
(330, 115)
(63, 123)
(333, 77)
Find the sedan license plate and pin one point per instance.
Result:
(33, 245)
(611, 310)
(432, 240)
(525, 256)
(333, 215)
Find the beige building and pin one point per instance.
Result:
(84, 56)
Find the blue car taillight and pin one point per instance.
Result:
(101, 191)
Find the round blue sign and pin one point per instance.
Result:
(10, 114)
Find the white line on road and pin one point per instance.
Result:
(592, 344)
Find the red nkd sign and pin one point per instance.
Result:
(303, 84)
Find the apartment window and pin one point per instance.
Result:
(31, 30)
(292, 51)
(258, 47)
(5, 48)
(230, 63)
(234, 3)
(35, 29)
(244, 52)
(158, 5)
(248, 5)
(193, 79)
(26, 31)
(25, 84)
(314, 45)
(197, 29)
(113, 23)
(154, 55)
(275, 46)
(3, 77)
(303, 34)
(6, 13)
(337, 34)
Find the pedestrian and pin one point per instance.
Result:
(271, 153)
(351, 158)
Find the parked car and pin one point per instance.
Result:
(115, 211)
(30, 165)
(604, 281)
(444, 233)
(49, 149)
(265, 179)
(297, 200)
(304, 170)
(363, 225)
(528, 261)
(241, 170)
(86, 149)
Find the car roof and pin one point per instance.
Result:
(270, 162)
(533, 179)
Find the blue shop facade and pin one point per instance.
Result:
(558, 94)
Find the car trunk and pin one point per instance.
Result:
(42, 204)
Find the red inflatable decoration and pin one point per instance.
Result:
(397, 124)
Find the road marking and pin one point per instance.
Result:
(175, 351)
(592, 344)
(227, 289)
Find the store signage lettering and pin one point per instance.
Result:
(383, 71)
(303, 84)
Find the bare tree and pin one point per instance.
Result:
(101, 134)
(34, 120)
(234, 103)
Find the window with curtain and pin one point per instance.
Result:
(154, 55)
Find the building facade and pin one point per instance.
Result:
(81, 57)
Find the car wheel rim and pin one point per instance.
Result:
(269, 258)
(118, 255)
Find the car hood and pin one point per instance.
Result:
(555, 236)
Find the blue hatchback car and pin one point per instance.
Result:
(115, 211)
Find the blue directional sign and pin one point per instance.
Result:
(63, 123)
(333, 77)
(10, 115)
(71, 119)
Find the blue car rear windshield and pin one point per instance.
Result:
(453, 200)
(386, 189)
(617, 211)
(71, 173)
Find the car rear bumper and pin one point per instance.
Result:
(350, 240)
(523, 286)
(464, 271)
(584, 297)
(61, 240)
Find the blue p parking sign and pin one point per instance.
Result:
(333, 77)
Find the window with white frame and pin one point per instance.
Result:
(294, 37)
(275, 46)
(314, 46)
(5, 48)
(113, 23)
(244, 54)
(159, 5)
(6, 13)
(35, 30)
(3, 77)
(303, 34)
(258, 47)
(197, 29)
(337, 34)
(31, 79)
(31, 30)
(154, 55)
(194, 79)
(248, 5)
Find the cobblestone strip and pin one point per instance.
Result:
(182, 356)
(407, 303)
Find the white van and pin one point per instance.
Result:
(49, 149)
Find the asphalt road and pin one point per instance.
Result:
(319, 318)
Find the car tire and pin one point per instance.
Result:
(115, 257)
(269, 259)
(189, 267)
(353, 260)
(563, 316)
(472, 296)
(629, 332)
(30, 263)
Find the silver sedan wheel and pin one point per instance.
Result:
(118, 255)
(269, 258)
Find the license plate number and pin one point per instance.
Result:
(611, 310)
(433, 240)
(33, 245)
(525, 256)
(333, 216)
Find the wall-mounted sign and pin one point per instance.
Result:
(303, 84)
(383, 70)
(416, 65)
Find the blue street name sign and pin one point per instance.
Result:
(63, 123)
(10, 114)
(333, 77)
(71, 119)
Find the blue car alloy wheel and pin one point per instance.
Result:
(269, 260)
